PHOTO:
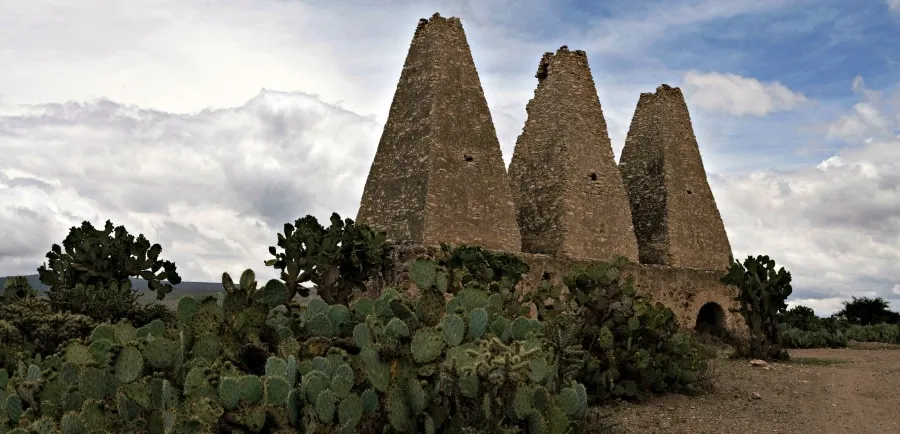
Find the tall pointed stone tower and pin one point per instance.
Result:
(438, 175)
(570, 200)
(676, 220)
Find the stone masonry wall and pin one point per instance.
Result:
(570, 200)
(676, 220)
(683, 290)
(438, 174)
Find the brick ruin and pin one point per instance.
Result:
(438, 177)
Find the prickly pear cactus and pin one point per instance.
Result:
(462, 355)
(198, 374)
(761, 292)
(426, 364)
(631, 345)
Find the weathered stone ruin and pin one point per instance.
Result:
(570, 200)
(438, 177)
(676, 220)
(438, 174)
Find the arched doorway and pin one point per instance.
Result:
(711, 320)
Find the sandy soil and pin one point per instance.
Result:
(821, 391)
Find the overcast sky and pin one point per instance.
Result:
(206, 125)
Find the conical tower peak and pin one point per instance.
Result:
(570, 200)
(676, 220)
(438, 174)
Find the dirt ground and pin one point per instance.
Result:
(821, 391)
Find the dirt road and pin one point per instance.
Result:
(821, 391)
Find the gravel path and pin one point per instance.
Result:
(821, 391)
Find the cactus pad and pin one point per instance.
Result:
(427, 345)
(129, 364)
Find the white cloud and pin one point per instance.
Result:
(187, 55)
(211, 187)
(738, 95)
(867, 120)
(823, 307)
(893, 5)
(835, 226)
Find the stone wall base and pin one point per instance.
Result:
(683, 290)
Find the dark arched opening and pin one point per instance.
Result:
(711, 320)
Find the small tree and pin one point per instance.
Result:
(761, 292)
(91, 272)
(867, 311)
(338, 260)
(801, 317)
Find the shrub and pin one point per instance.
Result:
(16, 288)
(800, 317)
(30, 326)
(883, 333)
(633, 346)
(144, 314)
(800, 328)
(798, 338)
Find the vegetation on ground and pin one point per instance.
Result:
(861, 319)
(467, 351)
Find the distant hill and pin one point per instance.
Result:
(138, 284)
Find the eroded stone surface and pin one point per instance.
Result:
(570, 200)
(438, 175)
(676, 220)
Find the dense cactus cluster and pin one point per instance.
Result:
(415, 366)
(619, 343)
(181, 377)
(461, 352)
(91, 256)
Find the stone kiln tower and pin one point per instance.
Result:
(438, 175)
(570, 200)
(676, 220)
